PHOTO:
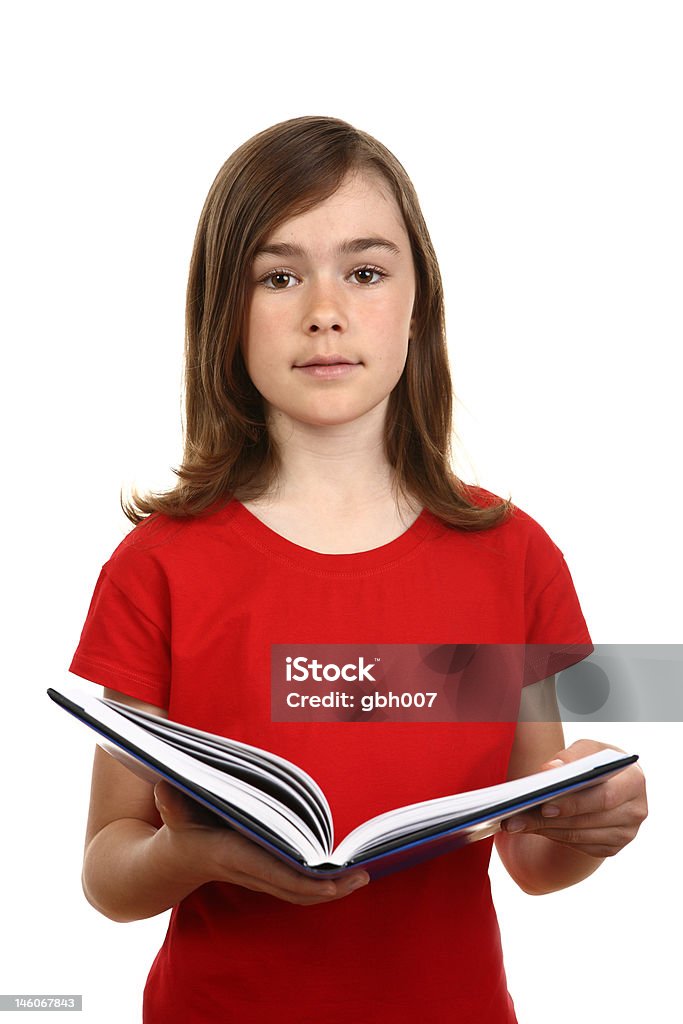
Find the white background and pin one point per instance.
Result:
(544, 142)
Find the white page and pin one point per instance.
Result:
(277, 818)
(291, 789)
(256, 755)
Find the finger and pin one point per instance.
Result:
(597, 799)
(581, 748)
(321, 891)
(610, 833)
(325, 891)
(626, 797)
(625, 789)
(597, 842)
(625, 816)
(255, 868)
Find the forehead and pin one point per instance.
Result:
(362, 205)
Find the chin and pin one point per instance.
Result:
(330, 420)
(328, 416)
(328, 412)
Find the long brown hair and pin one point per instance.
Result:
(277, 174)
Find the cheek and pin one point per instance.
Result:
(395, 314)
(256, 352)
(392, 350)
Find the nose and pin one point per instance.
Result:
(325, 310)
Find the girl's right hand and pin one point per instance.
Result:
(196, 846)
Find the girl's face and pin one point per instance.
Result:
(325, 293)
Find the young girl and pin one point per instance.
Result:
(316, 505)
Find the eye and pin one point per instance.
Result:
(370, 270)
(277, 273)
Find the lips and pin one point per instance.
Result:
(331, 360)
(327, 367)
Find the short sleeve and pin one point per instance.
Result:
(125, 641)
(556, 632)
(554, 613)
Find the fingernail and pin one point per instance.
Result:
(358, 882)
(550, 811)
(556, 763)
(515, 825)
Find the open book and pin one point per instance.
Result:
(278, 805)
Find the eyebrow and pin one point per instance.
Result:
(349, 245)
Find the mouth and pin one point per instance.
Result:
(331, 360)
(327, 371)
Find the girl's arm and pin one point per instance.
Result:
(142, 856)
(555, 852)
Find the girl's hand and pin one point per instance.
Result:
(196, 843)
(599, 821)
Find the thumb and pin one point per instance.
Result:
(579, 748)
(178, 810)
(166, 798)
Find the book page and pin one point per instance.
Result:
(256, 805)
(228, 757)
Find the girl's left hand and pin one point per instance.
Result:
(600, 820)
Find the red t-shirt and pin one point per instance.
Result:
(184, 615)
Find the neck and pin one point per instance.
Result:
(332, 466)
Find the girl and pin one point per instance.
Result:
(316, 504)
